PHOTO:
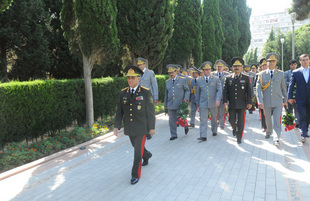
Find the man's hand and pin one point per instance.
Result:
(217, 103)
(155, 101)
(261, 105)
(291, 101)
(249, 106)
(185, 100)
(152, 132)
(115, 131)
(285, 104)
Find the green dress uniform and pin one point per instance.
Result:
(237, 93)
(137, 112)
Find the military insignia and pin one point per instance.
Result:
(125, 100)
(139, 107)
(242, 81)
(242, 87)
(230, 82)
(139, 98)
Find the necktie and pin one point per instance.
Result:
(237, 77)
(195, 80)
(132, 90)
(207, 80)
(271, 75)
(172, 81)
(220, 75)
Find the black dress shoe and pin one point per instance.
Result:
(192, 125)
(267, 136)
(148, 136)
(222, 127)
(202, 138)
(234, 133)
(239, 141)
(134, 180)
(173, 138)
(186, 130)
(214, 134)
(146, 161)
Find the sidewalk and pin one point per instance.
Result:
(183, 169)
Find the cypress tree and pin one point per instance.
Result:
(244, 14)
(231, 31)
(302, 9)
(212, 32)
(145, 27)
(4, 4)
(197, 51)
(90, 28)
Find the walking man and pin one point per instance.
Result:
(208, 98)
(136, 110)
(300, 77)
(192, 98)
(272, 95)
(237, 95)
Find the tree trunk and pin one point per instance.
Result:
(3, 63)
(87, 68)
(184, 64)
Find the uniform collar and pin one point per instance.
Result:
(135, 89)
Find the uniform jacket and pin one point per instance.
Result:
(176, 93)
(208, 93)
(237, 92)
(274, 95)
(222, 79)
(287, 75)
(149, 81)
(192, 87)
(137, 112)
(302, 90)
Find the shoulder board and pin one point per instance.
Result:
(280, 70)
(168, 79)
(182, 77)
(124, 89)
(145, 88)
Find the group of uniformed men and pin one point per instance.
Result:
(209, 93)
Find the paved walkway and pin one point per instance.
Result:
(184, 169)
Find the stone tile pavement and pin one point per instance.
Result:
(183, 169)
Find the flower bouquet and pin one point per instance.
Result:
(254, 103)
(182, 115)
(288, 120)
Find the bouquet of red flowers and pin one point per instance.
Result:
(182, 115)
(288, 120)
(254, 104)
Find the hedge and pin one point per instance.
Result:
(29, 110)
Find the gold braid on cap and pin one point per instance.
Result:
(261, 83)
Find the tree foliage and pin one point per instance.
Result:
(251, 57)
(302, 9)
(212, 31)
(145, 28)
(5, 4)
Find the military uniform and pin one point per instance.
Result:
(261, 111)
(137, 112)
(208, 91)
(148, 79)
(237, 93)
(272, 92)
(192, 86)
(176, 91)
(221, 109)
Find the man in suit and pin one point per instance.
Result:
(136, 109)
(288, 75)
(148, 80)
(272, 95)
(208, 98)
(192, 97)
(176, 92)
(237, 95)
(219, 66)
(300, 77)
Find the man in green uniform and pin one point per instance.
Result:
(136, 109)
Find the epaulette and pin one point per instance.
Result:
(182, 77)
(145, 88)
(168, 79)
(279, 70)
(124, 89)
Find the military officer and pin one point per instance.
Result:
(136, 109)
(262, 67)
(219, 65)
(148, 80)
(208, 98)
(237, 95)
(176, 91)
(271, 95)
(192, 85)
(254, 68)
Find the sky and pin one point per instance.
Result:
(260, 7)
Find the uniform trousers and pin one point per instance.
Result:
(276, 125)
(262, 118)
(304, 118)
(193, 112)
(173, 118)
(221, 114)
(140, 152)
(204, 121)
(290, 109)
(237, 121)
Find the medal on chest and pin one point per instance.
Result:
(139, 107)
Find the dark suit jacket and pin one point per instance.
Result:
(238, 93)
(303, 89)
(137, 112)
